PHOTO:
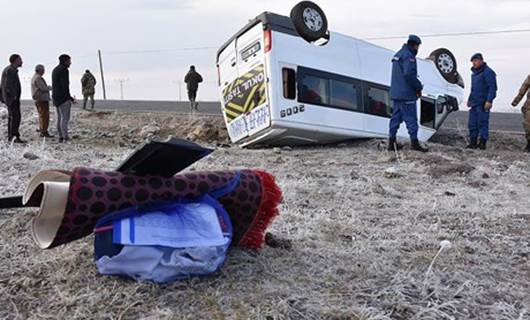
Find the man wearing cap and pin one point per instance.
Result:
(405, 89)
(40, 92)
(525, 90)
(480, 102)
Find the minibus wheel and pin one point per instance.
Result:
(309, 21)
(445, 62)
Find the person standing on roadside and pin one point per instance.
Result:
(10, 95)
(40, 92)
(61, 95)
(88, 83)
(480, 102)
(525, 90)
(192, 79)
(405, 90)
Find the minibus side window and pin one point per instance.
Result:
(289, 83)
(427, 114)
(344, 95)
(378, 101)
(314, 90)
(329, 90)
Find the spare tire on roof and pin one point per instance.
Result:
(309, 21)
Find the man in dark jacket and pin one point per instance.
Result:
(480, 102)
(61, 95)
(405, 89)
(10, 94)
(192, 79)
(88, 85)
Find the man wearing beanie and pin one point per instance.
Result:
(405, 90)
(480, 102)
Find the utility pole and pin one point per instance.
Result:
(121, 86)
(180, 90)
(102, 76)
(179, 84)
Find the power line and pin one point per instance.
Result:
(456, 34)
(206, 48)
(160, 50)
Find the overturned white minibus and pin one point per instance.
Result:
(289, 81)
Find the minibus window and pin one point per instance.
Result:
(427, 114)
(250, 51)
(378, 102)
(328, 89)
(344, 95)
(314, 90)
(289, 83)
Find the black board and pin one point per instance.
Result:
(163, 158)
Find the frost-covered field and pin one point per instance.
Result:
(439, 236)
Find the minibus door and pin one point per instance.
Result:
(245, 98)
(444, 105)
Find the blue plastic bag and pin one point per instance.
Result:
(164, 242)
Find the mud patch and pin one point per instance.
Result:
(450, 169)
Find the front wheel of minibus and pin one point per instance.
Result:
(309, 21)
(445, 62)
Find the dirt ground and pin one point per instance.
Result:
(444, 235)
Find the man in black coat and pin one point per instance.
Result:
(192, 79)
(10, 95)
(61, 95)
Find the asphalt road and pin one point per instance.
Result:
(211, 108)
(507, 122)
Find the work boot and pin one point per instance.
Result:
(472, 144)
(46, 135)
(416, 146)
(482, 144)
(18, 140)
(527, 149)
(393, 145)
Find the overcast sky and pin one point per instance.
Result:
(41, 30)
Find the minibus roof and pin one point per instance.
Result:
(270, 21)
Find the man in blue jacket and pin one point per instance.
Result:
(405, 90)
(483, 92)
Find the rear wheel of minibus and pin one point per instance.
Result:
(309, 21)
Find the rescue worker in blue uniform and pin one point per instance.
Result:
(405, 89)
(480, 102)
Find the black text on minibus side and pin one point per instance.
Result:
(291, 111)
